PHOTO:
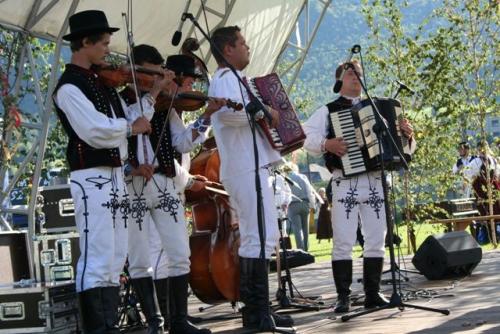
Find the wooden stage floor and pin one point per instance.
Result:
(474, 303)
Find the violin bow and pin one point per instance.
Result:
(130, 45)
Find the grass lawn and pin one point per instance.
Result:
(322, 249)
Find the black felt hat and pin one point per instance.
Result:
(87, 23)
(464, 144)
(182, 64)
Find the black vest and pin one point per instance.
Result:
(79, 154)
(331, 160)
(166, 152)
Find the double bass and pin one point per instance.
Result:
(214, 241)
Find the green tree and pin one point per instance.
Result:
(451, 59)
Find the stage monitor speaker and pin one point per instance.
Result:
(447, 255)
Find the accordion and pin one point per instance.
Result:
(356, 126)
(288, 135)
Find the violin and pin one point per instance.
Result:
(115, 76)
(190, 101)
(120, 75)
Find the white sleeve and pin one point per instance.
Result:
(182, 137)
(133, 111)
(181, 177)
(92, 126)
(316, 130)
(227, 86)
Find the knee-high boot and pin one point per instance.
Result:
(145, 291)
(255, 290)
(178, 296)
(161, 287)
(342, 275)
(92, 311)
(372, 272)
(110, 303)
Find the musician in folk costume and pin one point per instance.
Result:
(360, 195)
(237, 173)
(97, 123)
(485, 163)
(461, 165)
(155, 186)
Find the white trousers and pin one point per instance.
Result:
(157, 203)
(244, 199)
(158, 255)
(362, 196)
(101, 215)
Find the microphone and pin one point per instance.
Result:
(338, 84)
(178, 33)
(176, 38)
(405, 87)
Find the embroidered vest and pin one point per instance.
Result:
(79, 154)
(166, 153)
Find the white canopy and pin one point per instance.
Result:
(266, 24)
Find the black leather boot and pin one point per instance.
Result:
(145, 291)
(91, 311)
(161, 287)
(254, 293)
(372, 272)
(268, 320)
(110, 303)
(249, 311)
(178, 295)
(342, 275)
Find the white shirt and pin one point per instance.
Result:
(465, 163)
(474, 168)
(232, 130)
(93, 127)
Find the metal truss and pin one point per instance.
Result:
(303, 41)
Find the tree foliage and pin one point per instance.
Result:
(453, 68)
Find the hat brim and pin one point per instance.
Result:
(187, 74)
(84, 33)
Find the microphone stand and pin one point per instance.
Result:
(383, 132)
(255, 107)
(401, 272)
(300, 303)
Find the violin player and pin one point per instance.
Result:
(155, 186)
(96, 121)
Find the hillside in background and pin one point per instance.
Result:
(342, 27)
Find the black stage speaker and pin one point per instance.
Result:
(447, 255)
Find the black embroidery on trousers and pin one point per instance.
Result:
(337, 181)
(350, 201)
(374, 200)
(125, 207)
(99, 181)
(115, 204)
(85, 231)
(139, 207)
(167, 202)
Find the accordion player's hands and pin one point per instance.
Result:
(275, 115)
(406, 128)
(336, 146)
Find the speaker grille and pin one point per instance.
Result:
(447, 255)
